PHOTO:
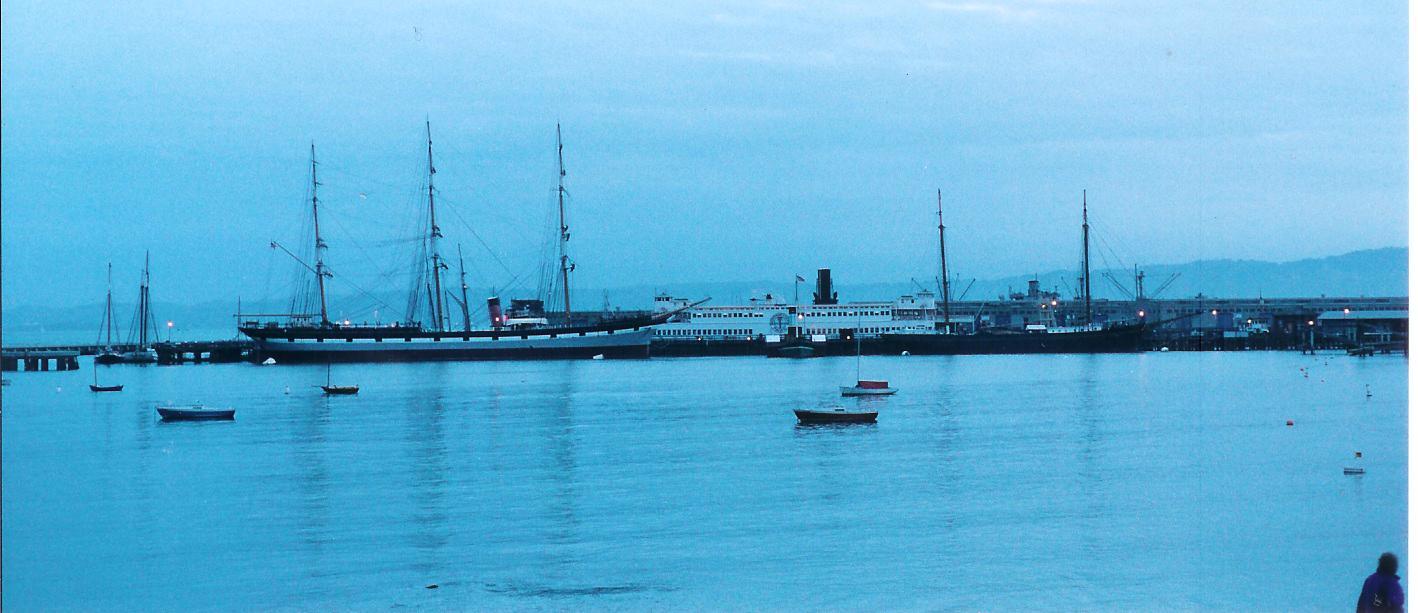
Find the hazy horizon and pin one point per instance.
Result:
(713, 143)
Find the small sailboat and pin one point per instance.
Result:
(337, 390)
(835, 415)
(195, 412)
(95, 387)
(865, 387)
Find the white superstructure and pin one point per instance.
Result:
(770, 317)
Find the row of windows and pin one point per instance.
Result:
(846, 313)
(705, 332)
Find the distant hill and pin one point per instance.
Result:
(1372, 272)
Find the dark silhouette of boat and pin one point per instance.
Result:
(314, 337)
(95, 387)
(1084, 336)
(834, 415)
(195, 412)
(337, 390)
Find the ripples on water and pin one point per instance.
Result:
(1154, 481)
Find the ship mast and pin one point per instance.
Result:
(944, 274)
(144, 308)
(1087, 281)
(565, 235)
(433, 235)
(320, 272)
(463, 281)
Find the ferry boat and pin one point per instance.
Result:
(533, 334)
(771, 324)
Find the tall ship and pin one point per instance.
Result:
(1066, 330)
(141, 336)
(525, 331)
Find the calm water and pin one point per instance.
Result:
(1160, 481)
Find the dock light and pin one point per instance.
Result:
(1346, 310)
(347, 322)
(1312, 322)
(1248, 321)
(1142, 313)
(1054, 302)
(1214, 312)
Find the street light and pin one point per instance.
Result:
(169, 332)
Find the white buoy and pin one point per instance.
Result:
(1165, 349)
(599, 356)
(905, 353)
(269, 361)
(287, 390)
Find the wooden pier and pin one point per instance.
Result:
(38, 360)
(197, 352)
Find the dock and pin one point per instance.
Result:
(38, 359)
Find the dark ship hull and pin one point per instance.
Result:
(625, 339)
(1116, 339)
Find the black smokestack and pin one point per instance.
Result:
(824, 293)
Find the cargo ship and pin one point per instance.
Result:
(525, 332)
(1081, 335)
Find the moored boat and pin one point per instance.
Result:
(835, 415)
(868, 388)
(1084, 335)
(195, 412)
(337, 390)
(314, 337)
(95, 387)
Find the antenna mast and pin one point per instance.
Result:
(320, 272)
(565, 235)
(944, 276)
(433, 235)
(1087, 281)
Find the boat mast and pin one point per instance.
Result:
(944, 274)
(433, 235)
(108, 309)
(463, 281)
(320, 272)
(565, 235)
(1087, 282)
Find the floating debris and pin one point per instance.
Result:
(1353, 471)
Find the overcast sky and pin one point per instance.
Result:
(715, 141)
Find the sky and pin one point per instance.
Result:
(703, 141)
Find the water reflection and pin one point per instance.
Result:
(309, 449)
(424, 437)
(561, 436)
